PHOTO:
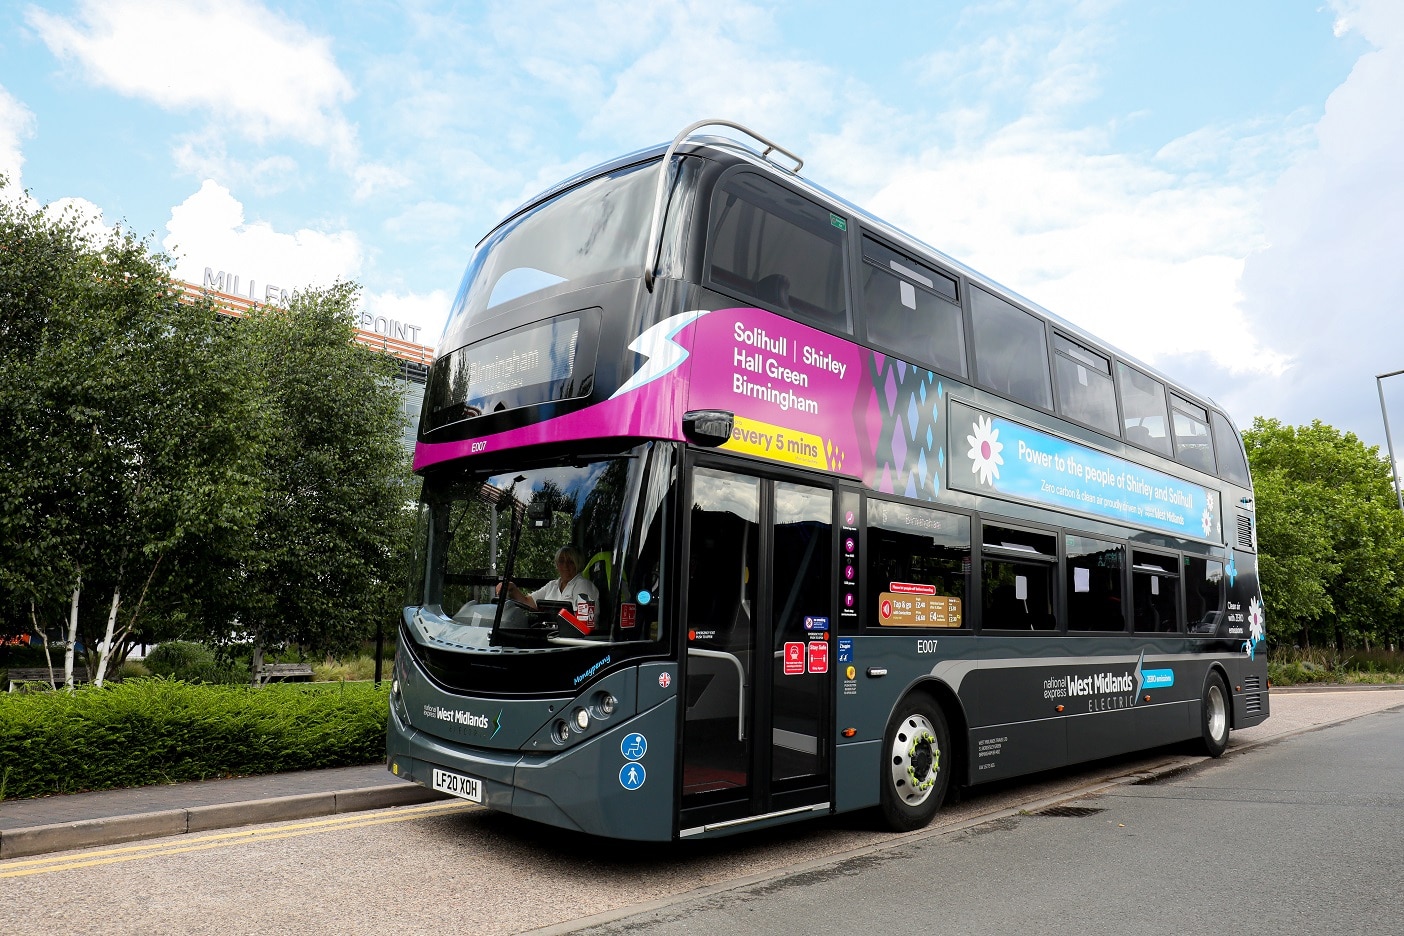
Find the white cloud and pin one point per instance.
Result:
(372, 179)
(208, 230)
(16, 126)
(1329, 285)
(427, 312)
(256, 73)
(735, 69)
(1129, 248)
(206, 157)
(89, 217)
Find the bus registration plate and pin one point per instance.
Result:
(454, 784)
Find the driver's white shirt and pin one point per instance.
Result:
(577, 586)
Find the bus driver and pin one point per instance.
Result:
(570, 586)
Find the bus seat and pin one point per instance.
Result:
(775, 290)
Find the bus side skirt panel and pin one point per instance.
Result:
(857, 769)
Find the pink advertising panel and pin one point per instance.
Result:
(800, 396)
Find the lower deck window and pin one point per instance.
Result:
(919, 564)
(1017, 574)
(1204, 594)
(1155, 590)
(1094, 585)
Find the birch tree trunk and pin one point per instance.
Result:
(105, 648)
(44, 636)
(72, 634)
(256, 663)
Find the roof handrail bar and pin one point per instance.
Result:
(655, 234)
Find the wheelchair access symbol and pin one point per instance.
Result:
(634, 746)
(632, 776)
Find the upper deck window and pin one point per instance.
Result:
(1084, 381)
(1192, 443)
(1143, 410)
(1011, 353)
(1232, 465)
(913, 308)
(594, 232)
(783, 251)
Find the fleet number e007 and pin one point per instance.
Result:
(454, 784)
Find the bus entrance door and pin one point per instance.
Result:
(758, 690)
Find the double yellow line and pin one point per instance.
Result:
(182, 844)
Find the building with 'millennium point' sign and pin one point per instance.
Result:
(388, 336)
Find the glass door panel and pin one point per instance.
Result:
(724, 549)
(801, 595)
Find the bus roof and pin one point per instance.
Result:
(698, 145)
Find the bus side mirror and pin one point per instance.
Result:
(708, 427)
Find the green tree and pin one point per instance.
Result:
(128, 431)
(329, 546)
(1330, 535)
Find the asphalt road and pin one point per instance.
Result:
(1281, 834)
(1302, 837)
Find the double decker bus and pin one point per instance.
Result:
(742, 506)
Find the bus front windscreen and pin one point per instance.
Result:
(590, 233)
(579, 547)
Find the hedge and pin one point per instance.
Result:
(147, 731)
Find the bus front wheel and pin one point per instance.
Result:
(917, 765)
(1214, 719)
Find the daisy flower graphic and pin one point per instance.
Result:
(1256, 630)
(1206, 521)
(984, 450)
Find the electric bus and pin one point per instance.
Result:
(742, 506)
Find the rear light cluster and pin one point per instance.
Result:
(602, 705)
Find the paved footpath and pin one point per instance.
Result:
(109, 817)
(86, 820)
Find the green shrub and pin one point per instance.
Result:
(145, 731)
(174, 657)
(132, 669)
(1289, 667)
(195, 663)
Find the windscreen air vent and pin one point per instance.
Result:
(1245, 531)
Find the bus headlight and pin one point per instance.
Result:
(582, 719)
(605, 704)
(560, 731)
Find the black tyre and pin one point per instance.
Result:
(917, 764)
(1214, 715)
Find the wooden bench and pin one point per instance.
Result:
(31, 677)
(285, 672)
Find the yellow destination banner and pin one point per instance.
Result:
(753, 437)
(905, 610)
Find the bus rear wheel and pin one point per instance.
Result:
(1214, 718)
(917, 765)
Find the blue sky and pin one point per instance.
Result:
(1215, 187)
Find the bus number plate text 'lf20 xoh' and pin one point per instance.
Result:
(454, 784)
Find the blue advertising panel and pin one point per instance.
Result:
(994, 455)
